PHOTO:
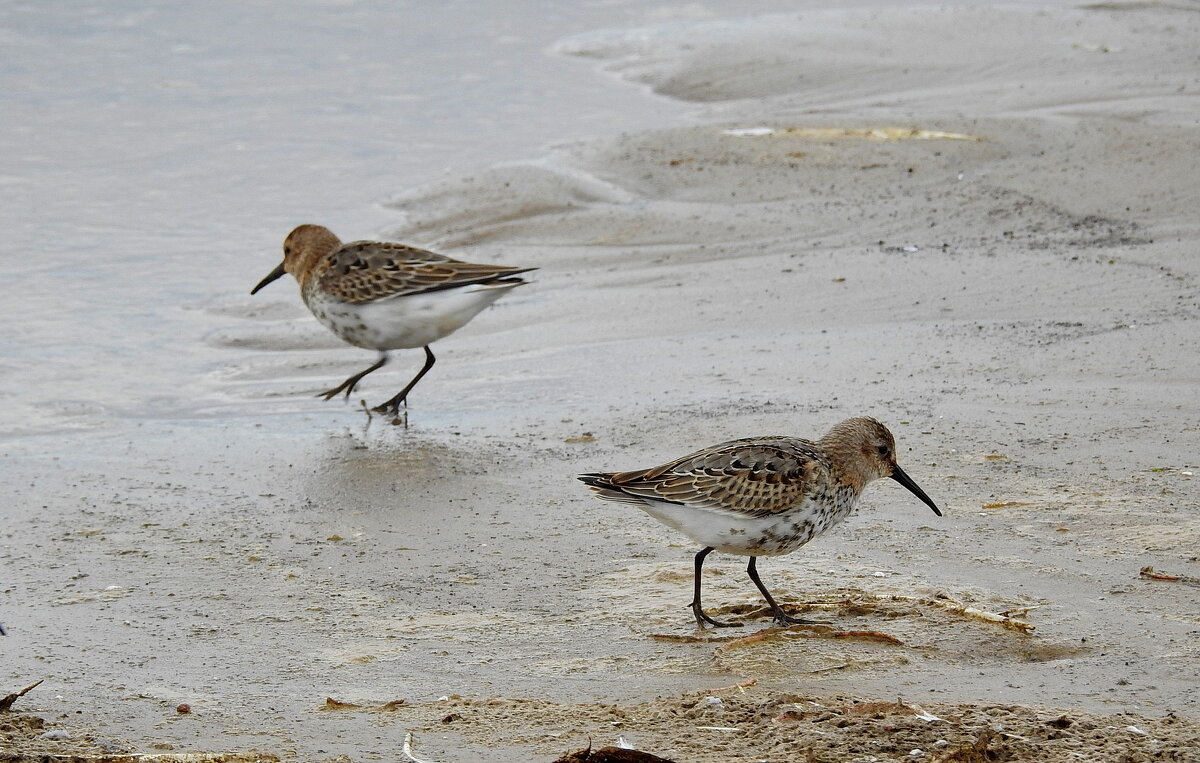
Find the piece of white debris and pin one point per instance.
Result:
(54, 735)
(407, 749)
(749, 131)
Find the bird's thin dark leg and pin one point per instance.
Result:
(781, 617)
(353, 381)
(393, 406)
(701, 617)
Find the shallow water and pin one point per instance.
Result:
(156, 159)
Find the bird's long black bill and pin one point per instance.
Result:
(899, 475)
(275, 274)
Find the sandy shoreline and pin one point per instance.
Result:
(1008, 279)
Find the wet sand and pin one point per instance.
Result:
(976, 225)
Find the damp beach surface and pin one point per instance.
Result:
(976, 224)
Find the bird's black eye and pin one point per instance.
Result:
(882, 450)
(287, 250)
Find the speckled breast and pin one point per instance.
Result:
(789, 530)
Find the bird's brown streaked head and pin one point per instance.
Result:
(302, 249)
(866, 449)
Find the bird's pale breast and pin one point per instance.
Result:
(757, 534)
(403, 321)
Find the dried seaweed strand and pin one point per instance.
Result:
(1004, 619)
(1018, 611)
(1151, 574)
(337, 704)
(945, 602)
(8, 701)
(802, 632)
(868, 636)
(753, 638)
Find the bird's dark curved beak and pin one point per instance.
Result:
(275, 274)
(899, 475)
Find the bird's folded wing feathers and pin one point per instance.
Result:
(756, 476)
(364, 271)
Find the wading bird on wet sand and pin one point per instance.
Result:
(761, 496)
(384, 296)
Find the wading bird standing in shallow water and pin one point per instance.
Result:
(761, 496)
(383, 296)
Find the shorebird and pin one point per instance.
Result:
(383, 296)
(761, 496)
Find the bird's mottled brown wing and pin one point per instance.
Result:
(364, 271)
(757, 476)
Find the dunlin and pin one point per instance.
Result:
(761, 496)
(384, 296)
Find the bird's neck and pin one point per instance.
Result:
(845, 463)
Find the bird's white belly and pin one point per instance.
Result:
(403, 322)
(748, 535)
